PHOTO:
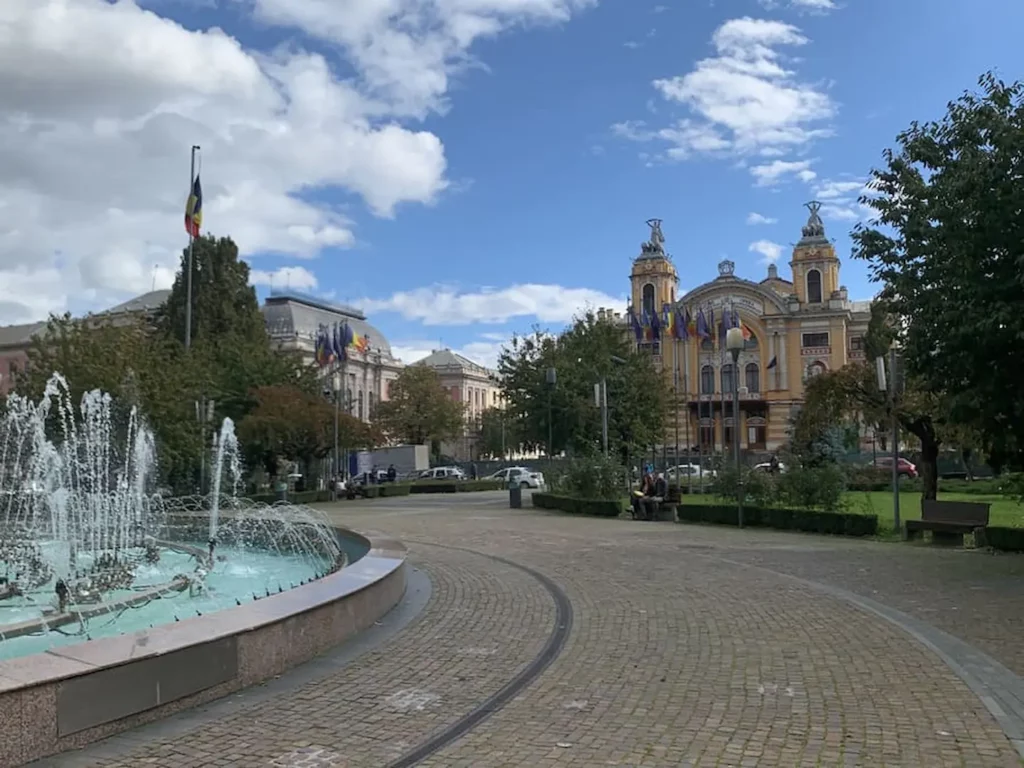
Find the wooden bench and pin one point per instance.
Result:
(948, 520)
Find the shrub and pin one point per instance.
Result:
(454, 486)
(759, 488)
(819, 487)
(395, 489)
(592, 477)
(810, 521)
(573, 505)
(1006, 539)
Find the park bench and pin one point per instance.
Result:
(948, 521)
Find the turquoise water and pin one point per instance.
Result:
(238, 574)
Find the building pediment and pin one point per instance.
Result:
(734, 291)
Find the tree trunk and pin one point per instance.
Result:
(965, 456)
(929, 466)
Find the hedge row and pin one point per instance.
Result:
(594, 507)
(882, 481)
(1005, 539)
(455, 486)
(837, 523)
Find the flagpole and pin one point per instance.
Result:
(721, 366)
(188, 260)
(675, 389)
(686, 401)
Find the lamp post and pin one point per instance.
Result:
(551, 377)
(734, 343)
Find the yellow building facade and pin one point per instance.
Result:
(796, 328)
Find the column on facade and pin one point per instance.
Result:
(783, 365)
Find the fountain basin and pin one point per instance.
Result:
(76, 694)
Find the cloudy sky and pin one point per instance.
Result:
(461, 169)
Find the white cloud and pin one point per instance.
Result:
(815, 6)
(743, 100)
(840, 199)
(755, 218)
(99, 103)
(482, 351)
(772, 173)
(442, 305)
(298, 278)
(769, 251)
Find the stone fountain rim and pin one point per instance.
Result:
(385, 556)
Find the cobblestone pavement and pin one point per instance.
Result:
(679, 655)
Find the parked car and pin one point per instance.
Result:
(380, 476)
(905, 468)
(681, 471)
(442, 473)
(524, 476)
(766, 467)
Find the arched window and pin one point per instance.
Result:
(727, 378)
(814, 287)
(707, 380)
(752, 377)
(648, 299)
(751, 343)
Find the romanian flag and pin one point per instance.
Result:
(322, 353)
(702, 325)
(690, 325)
(668, 321)
(747, 333)
(194, 209)
(360, 342)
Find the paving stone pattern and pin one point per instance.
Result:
(677, 657)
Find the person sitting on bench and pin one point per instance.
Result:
(640, 496)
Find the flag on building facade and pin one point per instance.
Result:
(668, 321)
(194, 209)
(634, 323)
(772, 363)
(702, 325)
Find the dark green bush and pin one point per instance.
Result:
(395, 489)
(593, 507)
(1006, 539)
(837, 523)
(592, 477)
(454, 486)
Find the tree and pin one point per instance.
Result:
(229, 336)
(497, 434)
(947, 245)
(419, 410)
(290, 423)
(581, 356)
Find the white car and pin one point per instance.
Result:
(521, 475)
(442, 473)
(766, 467)
(681, 471)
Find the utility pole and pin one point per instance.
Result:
(893, 384)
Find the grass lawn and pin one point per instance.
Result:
(1004, 512)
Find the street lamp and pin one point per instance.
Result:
(734, 342)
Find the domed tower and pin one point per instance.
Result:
(815, 264)
(653, 277)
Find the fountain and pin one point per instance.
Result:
(89, 550)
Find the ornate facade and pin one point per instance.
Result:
(469, 383)
(795, 328)
(292, 322)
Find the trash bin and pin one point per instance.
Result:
(515, 496)
(281, 491)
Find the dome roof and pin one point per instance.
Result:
(293, 315)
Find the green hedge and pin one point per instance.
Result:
(882, 481)
(1005, 539)
(594, 507)
(455, 486)
(303, 497)
(837, 523)
(395, 489)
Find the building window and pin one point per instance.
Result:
(707, 344)
(814, 287)
(756, 437)
(360, 406)
(647, 295)
(707, 380)
(707, 437)
(727, 378)
(653, 347)
(857, 343)
(728, 438)
(815, 339)
(752, 377)
(751, 343)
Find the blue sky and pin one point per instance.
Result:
(536, 140)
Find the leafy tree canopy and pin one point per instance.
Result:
(948, 248)
(581, 356)
(497, 434)
(419, 410)
(290, 423)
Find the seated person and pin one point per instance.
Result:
(640, 497)
(651, 502)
